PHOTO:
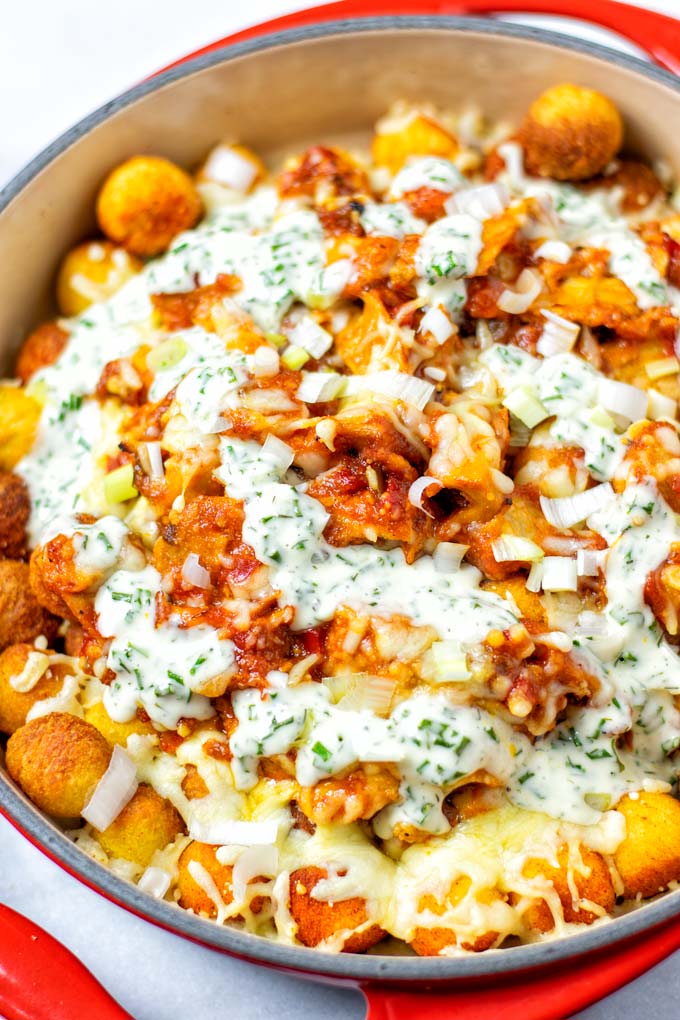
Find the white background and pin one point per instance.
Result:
(59, 59)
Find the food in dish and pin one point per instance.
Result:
(350, 496)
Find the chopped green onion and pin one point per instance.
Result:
(525, 406)
(168, 354)
(294, 357)
(119, 485)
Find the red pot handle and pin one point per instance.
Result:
(40, 979)
(557, 995)
(657, 34)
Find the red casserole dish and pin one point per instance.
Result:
(370, 57)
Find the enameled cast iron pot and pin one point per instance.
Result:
(326, 75)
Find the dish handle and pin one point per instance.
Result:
(657, 34)
(555, 995)
(40, 979)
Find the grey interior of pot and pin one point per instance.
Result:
(322, 84)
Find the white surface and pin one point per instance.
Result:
(58, 61)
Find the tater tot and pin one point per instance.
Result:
(147, 823)
(596, 886)
(317, 920)
(14, 704)
(570, 133)
(57, 760)
(93, 272)
(421, 136)
(431, 941)
(192, 896)
(41, 348)
(145, 202)
(15, 508)
(22, 618)
(649, 856)
(19, 417)
(115, 732)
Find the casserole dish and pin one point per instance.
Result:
(45, 201)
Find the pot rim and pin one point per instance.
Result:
(48, 838)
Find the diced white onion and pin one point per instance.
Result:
(227, 166)
(447, 662)
(255, 861)
(660, 406)
(533, 582)
(513, 156)
(661, 367)
(482, 202)
(589, 561)
(559, 574)
(448, 556)
(368, 693)
(307, 333)
(266, 362)
(556, 251)
(242, 833)
(514, 547)
(565, 511)
(621, 398)
(155, 881)
(320, 386)
(526, 406)
(278, 452)
(391, 383)
(559, 335)
(436, 322)
(436, 374)
(417, 491)
(113, 791)
(528, 286)
(156, 468)
(193, 573)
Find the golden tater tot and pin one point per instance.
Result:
(115, 732)
(570, 133)
(649, 857)
(147, 823)
(57, 760)
(232, 166)
(19, 417)
(192, 896)
(92, 272)
(22, 618)
(419, 137)
(15, 508)
(431, 941)
(596, 886)
(341, 800)
(145, 202)
(317, 920)
(41, 348)
(22, 660)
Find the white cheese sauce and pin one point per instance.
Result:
(593, 219)
(156, 666)
(427, 172)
